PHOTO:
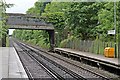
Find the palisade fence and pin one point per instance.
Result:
(95, 46)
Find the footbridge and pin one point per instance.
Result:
(29, 22)
(26, 21)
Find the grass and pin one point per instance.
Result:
(40, 43)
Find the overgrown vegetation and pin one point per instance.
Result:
(36, 37)
(3, 16)
(83, 20)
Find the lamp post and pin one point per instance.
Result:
(115, 27)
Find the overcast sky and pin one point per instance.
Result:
(20, 6)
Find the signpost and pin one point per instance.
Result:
(115, 27)
(111, 32)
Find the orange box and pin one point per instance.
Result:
(109, 52)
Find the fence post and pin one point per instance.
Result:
(80, 46)
(93, 47)
(71, 44)
(74, 43)
(107, 44)
(77, 44)
(110, 44)
(98, 47)
(88, 45)
(84, 46)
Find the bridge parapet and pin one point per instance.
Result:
(26, 21)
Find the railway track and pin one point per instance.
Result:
(57, 69)
(58, 72)
(36, 68)
(55, 76)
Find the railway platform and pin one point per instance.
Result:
(91, 58)
(11, 66)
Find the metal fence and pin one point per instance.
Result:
(95, 46)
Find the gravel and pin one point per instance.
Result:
(36, 70)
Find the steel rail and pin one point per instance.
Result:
(30, 77)
(52, 74)
(76, 76)
(97, 74)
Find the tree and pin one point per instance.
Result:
(106, 20)
(37, 9)
(82, 19)
(85, 20)
(55, 14)
(3, 26)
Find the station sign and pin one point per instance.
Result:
(111, 32)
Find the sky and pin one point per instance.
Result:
(20, 6)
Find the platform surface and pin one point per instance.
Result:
(91, 55)
(10, 64)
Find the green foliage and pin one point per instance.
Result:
(55, 14)
(106, 19)
(40, 38)
(83, 20)
(36, 10)
(3, 16)
(65, 41)
(35, 37)
(118, 36)
(95, 46)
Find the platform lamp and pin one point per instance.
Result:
(115, 27)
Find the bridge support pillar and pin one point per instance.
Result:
(51, 38)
